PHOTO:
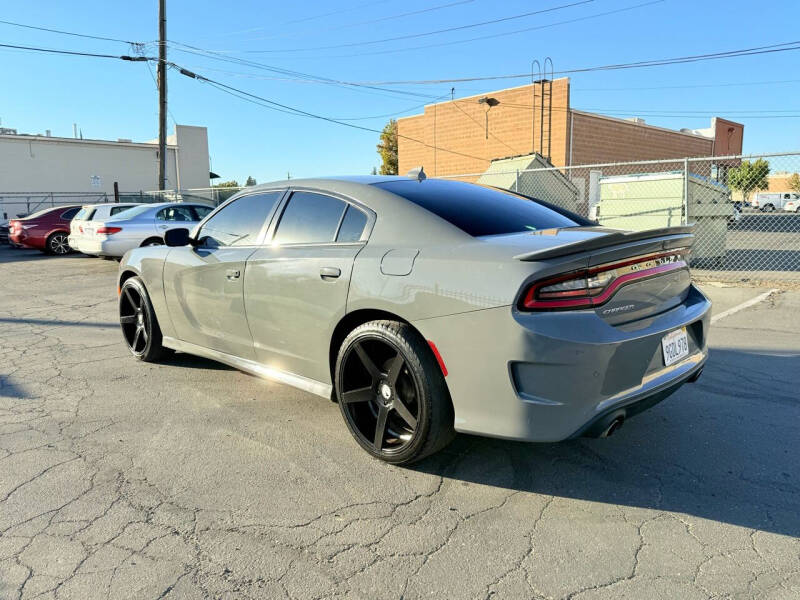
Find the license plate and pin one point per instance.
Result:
(675, 346)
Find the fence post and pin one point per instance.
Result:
(686, 191)
(116, 192)
(516, 182)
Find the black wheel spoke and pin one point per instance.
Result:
(374, 372)
(403, 411)
(364, 394)
(127, 319)
(380, 427)
(394, 369)
(129, 296)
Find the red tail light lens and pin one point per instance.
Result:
(108, 230)
(596, 285)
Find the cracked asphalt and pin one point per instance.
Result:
(188, 479)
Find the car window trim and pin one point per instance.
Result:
(264, 227)
(365, 234)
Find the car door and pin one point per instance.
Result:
(296, 286)
(203, 284)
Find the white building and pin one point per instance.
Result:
(43, 164)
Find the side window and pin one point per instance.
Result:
(118, 209)
(352, 225)
(240, 222)
(68, 214)
(309, 218)
(202, 211)
(176, 213)
(786, 196)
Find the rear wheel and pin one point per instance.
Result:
(57, 244)
(392, 394)
(138, 322)
(153, 242)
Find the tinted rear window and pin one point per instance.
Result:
(478, 210)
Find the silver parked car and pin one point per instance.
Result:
(425, 307)
(143, 225)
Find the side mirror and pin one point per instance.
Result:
(177, 237)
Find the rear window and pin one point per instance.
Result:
(478, 210)
(85, 214)
(67, 215)
(115, 210)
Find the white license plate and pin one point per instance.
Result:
(675, 346)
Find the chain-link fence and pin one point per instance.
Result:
(21, 204)
(745, 209)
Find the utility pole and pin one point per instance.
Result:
(162, 94)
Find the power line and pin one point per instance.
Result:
(428, 33)
(75, 53)
(782, 47)
(272, 104)
(490, 36)
(63, 32)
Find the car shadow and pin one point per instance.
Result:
(180, 359)
(724, 448)
(9, 254)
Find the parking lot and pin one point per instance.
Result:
(188, 479)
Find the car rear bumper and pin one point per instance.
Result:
(101, 247)
(550, 376)
(26, 241)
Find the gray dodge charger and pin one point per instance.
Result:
(425, 307)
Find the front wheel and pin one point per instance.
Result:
(392, 393)
(138, 322)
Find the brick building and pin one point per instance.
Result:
(465, 135)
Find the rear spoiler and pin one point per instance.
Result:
(611, 239)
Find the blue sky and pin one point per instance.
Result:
(111, 99)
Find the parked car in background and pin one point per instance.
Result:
(89, 218)
(46, 230)
(4, 233)
(426, 306)
(771, 201)
(143, 225)
(793, 205)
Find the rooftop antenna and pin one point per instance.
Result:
(417, 173)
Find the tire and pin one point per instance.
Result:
(392, 394)
(138, 322)
(768, 208)
(154, 241)
(57, 244)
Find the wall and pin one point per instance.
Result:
(458, 129)
(47, 164)
(601, 139)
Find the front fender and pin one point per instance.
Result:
(147, 263)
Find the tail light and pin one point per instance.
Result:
(108, 230)
(596, 285)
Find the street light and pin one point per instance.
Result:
(489, 102)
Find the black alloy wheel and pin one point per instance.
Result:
(138, 322)
(58, 244)
(392, 393)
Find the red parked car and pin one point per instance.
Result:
(46, 230)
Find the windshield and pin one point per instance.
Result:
(84, 214)
(480, 210)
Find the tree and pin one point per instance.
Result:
(794, 183)
(227, 184)
(749, 177)
(374, 170)
(387, 148)
(250, 181)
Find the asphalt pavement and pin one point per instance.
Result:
(188, 479)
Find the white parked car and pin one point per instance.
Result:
(793, 205)
(89, 218)
(770, 201)
(141, 225)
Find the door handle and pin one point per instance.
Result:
(329, 272)
(232, 274)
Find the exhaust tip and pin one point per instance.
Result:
(613, 427)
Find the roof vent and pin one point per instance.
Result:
(417, 173)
